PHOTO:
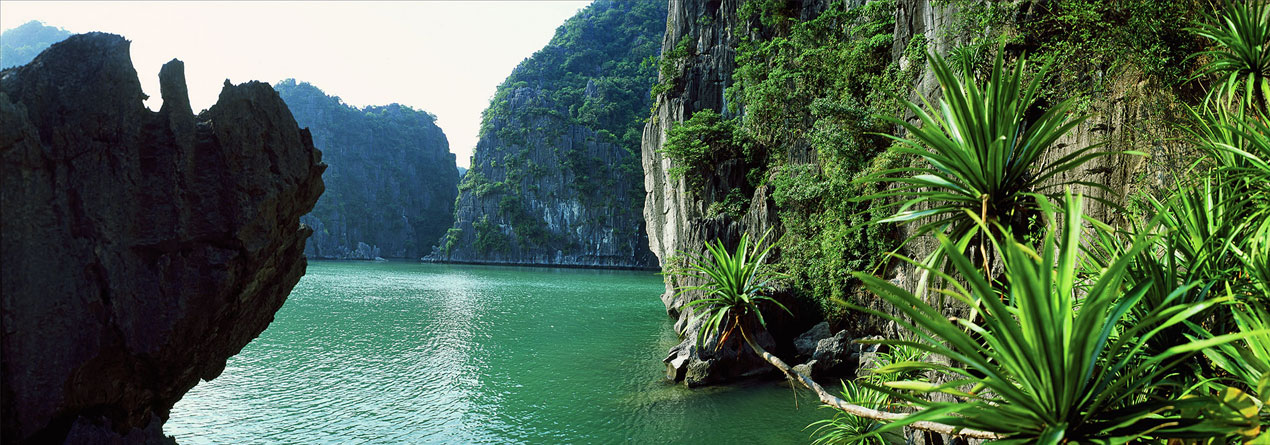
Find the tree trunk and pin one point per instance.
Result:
(857, 410)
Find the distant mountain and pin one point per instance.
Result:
(18, 46)
(556, 177)
(391, 180)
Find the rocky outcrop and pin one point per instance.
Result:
(141, 249)
(679, 222)
(554, 178)
(391, 182)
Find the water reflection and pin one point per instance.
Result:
(418, 353)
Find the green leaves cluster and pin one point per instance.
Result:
(1240, 56)
(700, 143)
(590, 75)
(1152, 333)
(734, 283)
(1052, 359)
(984, 157)
(1088, 42)
(809, 95)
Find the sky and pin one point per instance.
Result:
(445, 57)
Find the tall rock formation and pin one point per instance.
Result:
(141, 249)
(391, 183)
(889, 38)
(19, 45)
(555, 177)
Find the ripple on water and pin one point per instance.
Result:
(419, 353)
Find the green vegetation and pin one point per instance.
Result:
(1088, 42)
(734, 286)
(697, 145)
(983, 159)
(489, 238)
(391, 180)
(590, 75)
(1077, 331)
(670, 67)
(1241, 57)
(18, 46)
(1054, 358)
(815, 87)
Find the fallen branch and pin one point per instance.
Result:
(857, 410)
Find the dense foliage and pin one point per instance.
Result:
(390, 181)
(807, 90)
(1089, 43)
(18, 46)
(983, 158)
(1155, 331)
(591, 75)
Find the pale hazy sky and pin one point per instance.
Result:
(445, 57)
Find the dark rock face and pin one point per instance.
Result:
(806, 343)
(555, 177)
(391, 182)
(140, 249)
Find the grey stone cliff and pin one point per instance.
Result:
(677, 221)
(555, 178)
(141, 249)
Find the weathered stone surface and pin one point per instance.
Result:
(555, 179)
(714, 363)
(677, 221)
(141, 249)
(806, 343)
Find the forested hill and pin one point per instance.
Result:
(391, 182)
(18, 46)
(556, 177)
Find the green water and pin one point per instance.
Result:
(402, 352)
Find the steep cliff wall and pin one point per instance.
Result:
(555, 178)
(802, 83)
(141, 249)
(391, 183)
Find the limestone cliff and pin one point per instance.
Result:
(141, 249)
(824, 141)
(391, 183)
(555, 177)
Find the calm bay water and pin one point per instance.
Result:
(401, 352)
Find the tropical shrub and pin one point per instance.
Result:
(1051, 359)
(846, 428)
(733, 286)
(695, 146)
(984, 157)
(1240, 55)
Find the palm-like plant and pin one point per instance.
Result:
(1248, 361)
(1247, 364)
(1241, 56)
(844, 428)
(1052, 359)
(733, 286)
(983, 156)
